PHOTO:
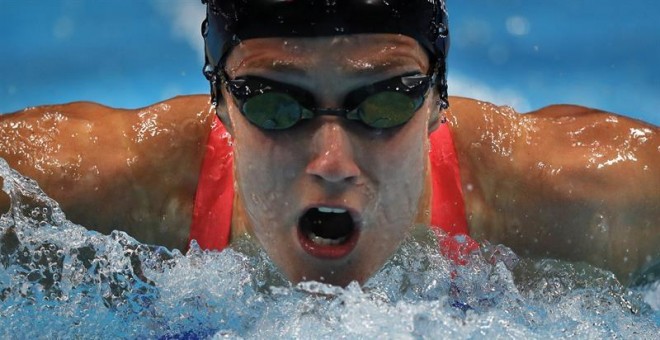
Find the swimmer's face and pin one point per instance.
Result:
(330, 199)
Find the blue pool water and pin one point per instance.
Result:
(58, 279)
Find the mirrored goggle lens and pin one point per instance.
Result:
(387, 109)
(277, 111)
(273, 111)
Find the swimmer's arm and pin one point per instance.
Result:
(132, 170)
(575, 183)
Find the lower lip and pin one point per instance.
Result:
(329, 252)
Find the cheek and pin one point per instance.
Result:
(264, 168)
(401, 169)
(406, 179)
(409, 149)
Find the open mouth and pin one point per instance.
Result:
(327, 232)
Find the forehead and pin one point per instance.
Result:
(351, 54)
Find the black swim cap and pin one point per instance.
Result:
(230, 21)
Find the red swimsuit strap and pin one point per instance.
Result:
(447, 204)
(214, 200)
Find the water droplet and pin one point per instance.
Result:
(209, 71)
(205, 28)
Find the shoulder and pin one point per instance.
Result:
(560, 152)
(96, 160)
(591, 136)
(563, 181)
(563, 116)
(116, 134)
(178, 103)
(171, 111)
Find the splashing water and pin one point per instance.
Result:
(66, 281)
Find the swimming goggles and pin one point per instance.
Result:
(272, 105)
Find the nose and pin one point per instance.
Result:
(333, 158)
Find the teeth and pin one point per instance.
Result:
(325, 241)
(331, 210)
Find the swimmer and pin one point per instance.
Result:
(329, 135)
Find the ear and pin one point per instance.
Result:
(438, 116)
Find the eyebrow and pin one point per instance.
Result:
(380, 67)
(302, 69)
(261, 61)
(397, 60)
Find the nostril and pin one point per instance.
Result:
(334, 168)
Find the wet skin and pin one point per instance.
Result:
(377, 175)
(565, 181)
